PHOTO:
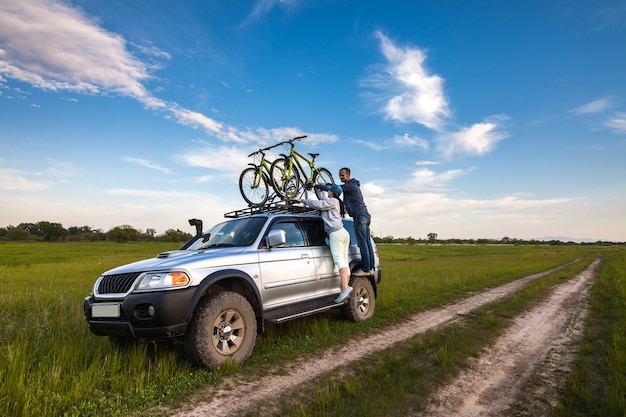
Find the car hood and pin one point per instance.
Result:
(187, 260)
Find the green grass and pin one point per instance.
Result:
(398, 381)
(51, 364)
(597, 385)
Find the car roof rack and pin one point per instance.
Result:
(280, 207)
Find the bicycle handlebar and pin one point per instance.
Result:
(290, 141)
(263, 149)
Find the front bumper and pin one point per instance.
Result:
(154, 315)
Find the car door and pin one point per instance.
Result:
(329, 281)
(287, 271)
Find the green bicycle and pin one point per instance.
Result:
(286, 172)
(254, 181)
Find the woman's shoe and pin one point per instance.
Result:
(343, 295)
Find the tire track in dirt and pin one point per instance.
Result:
(494, 382)
(235, 396)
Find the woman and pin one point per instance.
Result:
(332, 211)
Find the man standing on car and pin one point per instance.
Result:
(355, 206)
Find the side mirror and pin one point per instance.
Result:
(276, 238)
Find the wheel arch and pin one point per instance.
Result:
(230, 280)
(355, 264)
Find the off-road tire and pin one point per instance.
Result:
(361, 302)
(223, 329)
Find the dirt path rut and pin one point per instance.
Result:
(473, 394)
(500, 378)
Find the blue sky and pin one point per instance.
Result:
(469, 119)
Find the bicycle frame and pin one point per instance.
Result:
(297, 157)
(263, 164)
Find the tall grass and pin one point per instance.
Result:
(597, 385)
(51, 364)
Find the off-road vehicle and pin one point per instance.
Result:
(216, 293)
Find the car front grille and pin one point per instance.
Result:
(117, 284)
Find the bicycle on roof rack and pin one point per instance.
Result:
(254, 181)
(286, 172)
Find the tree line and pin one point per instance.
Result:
(55, 232)
(432, 238)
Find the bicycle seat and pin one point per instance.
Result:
(314, 155)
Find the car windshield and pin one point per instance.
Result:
(239, 232)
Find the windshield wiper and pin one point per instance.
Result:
(217, 245)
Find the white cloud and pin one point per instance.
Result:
(402, 214)
(16, 180)
(426, 163)
(593, 107)
(425, 179)
(54, 47)
(263, 7)
(59, 170)
(477, 139)
(617, 122)
(195, 119)
(221, 158)
(147, 164)
(416, 96)
(411, 141)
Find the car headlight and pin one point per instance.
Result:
(163, 280)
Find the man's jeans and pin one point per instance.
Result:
(363, 236)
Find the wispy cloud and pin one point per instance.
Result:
(221, 158)
(426, 163)
(147, 164)
(16, 180)
(478, 139)
(593, 107)
(263, 7)
(59, 170)
(54, 172)
(410, 141)
(427, 180)
(413, 95)
(617, 122)
(55, 47)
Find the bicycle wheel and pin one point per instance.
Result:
(287, 185)
(322, 176)
(253, 189)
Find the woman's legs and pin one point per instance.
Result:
(339, 243)
(345, 278)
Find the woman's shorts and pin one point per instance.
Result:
(339, 243)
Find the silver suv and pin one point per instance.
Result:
(218, 291)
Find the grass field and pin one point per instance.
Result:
(51, 365)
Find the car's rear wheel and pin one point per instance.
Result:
(362, 301)
(223, 329)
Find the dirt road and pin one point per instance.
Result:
(515, 373)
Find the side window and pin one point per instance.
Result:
(315, 232)
(293, 234)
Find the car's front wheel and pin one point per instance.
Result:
(223, 329)
(362, 301)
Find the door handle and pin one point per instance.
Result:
(304, 256)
